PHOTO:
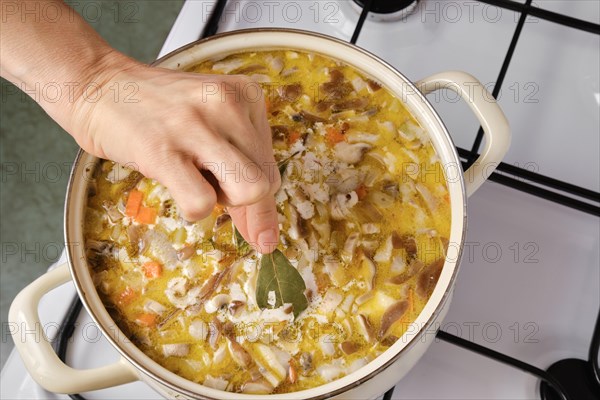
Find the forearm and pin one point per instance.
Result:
(46, 47)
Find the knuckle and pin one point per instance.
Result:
(250, 193)
(197, 210)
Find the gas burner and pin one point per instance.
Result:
(576, 378)
(386, 10)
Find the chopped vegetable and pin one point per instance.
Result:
(146, 215)
(294, 136)
(134, 202)
(152, 269)
(126, 296)
(361, 192)
(334, 135)
(146, 319)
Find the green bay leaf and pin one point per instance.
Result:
(282, 165)
(278, 275)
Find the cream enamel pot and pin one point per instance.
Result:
(367, 382)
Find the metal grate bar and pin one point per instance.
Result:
(501, 76)
(546, 15)
(513, 362)
(361, 21)
(541, 179)
(212, 25)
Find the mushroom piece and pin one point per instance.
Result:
(275, 63)
(226, 66)
(358, 103)
(289, 71)
(298, 226)
(430, 201)
(384, 253)
(239, 354)
(292, 372)
(414, 268)
(214, 332)
(249, 68)
(311, 118)
(429, 277)
(175, 349)
(349, 347)
(341, 204)
(235, 307)
(186, 252)
(176, 292)
(351, 153)
(97, 252)
(113, 213)
(391, 188)
(306, 362)
(215, 383)
(137, 243)
(216, 303)
(365, 327)
(370, 228)
(350, 247)
(259, 386)
(367, 271)
(391, 316)
(290, 92)
(221, 221)
(406, 242)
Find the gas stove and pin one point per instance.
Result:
(528, 291)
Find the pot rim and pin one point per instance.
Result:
(398, 348)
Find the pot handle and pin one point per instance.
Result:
(486, 109)
(38, 356)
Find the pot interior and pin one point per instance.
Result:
(271, 39)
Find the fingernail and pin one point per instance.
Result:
(268, 240)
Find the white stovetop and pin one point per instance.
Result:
(529, 283)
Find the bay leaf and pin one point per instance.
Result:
(278, 275)
(282, 165)
(242, 247)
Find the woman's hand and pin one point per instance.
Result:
(205, 137)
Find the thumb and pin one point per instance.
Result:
(258, 223)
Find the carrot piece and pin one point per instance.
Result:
(334, 136)
(146, 215)
(146, 319)
(126, 296)
(134, 202)
(268, 104)
(361, 192)
(293, 138)
(152, 269)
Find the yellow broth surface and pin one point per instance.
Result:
(364, 214)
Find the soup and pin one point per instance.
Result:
(364, 214)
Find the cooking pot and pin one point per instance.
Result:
(367, 382)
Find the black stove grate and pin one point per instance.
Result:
(545, 187)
